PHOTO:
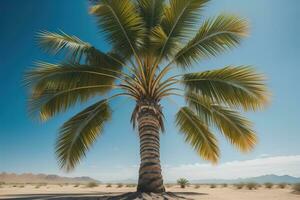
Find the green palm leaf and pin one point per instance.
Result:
(58, 87)
(178, 22)
(197, 134)
(122, 24)
(237, 129)
(80, 132)
(151, 11)
(214, 36)
(76, 49)
(57, 42)
(235, 86)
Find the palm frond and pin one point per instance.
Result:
(236, 128)
(197, 134)
(122, 24)
(234, 86)
(79, 133)
(179, 20)
(151, 12)
(76, 49)
(57, 42)
(56, 87)
(214, 36)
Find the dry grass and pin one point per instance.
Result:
(239, 185)
(92, 184)
(282, 185)
(108, 185)
(119, 185)
(224, 185)
(197, 186)
(252, 186)
(269, 185)
(213, 186)
(296, 187)
(131, 185)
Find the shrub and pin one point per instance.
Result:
(76, 185)
(224, 185)
(108, 185)
(213, 186)
(239, 185)
(251, 186)
(296, 187)
(183, 182)
(197, 186)
(119, 185)
(168, 185)
(282, 185)
(131, 185)
(268, 185)
(92, 184)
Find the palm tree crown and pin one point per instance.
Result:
(151, 40)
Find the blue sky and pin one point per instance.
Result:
(273, 47)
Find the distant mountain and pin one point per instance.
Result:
(259, 179)
(42, 178)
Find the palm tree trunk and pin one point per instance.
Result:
(150, 178)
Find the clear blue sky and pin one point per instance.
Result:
(28, 146)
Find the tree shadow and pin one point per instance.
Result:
(105, 196)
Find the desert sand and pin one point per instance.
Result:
(71, 191)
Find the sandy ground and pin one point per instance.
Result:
(102, 192)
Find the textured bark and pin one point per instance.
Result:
(150, 178)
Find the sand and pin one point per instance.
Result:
(28, 191)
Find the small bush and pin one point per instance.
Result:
(282, 185)
(251, 186)
(92, 184)
(77, 185)
(224, 185)
(183, 182)
(296, 187)
(131, 185)
(197, 186)
(213, 186)
(119, 185)
(239, 185)
(108, 185)
(268, 185)
(168, 185)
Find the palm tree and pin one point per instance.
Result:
(154, 44)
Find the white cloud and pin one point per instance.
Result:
(264, 155)
(279, 165)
